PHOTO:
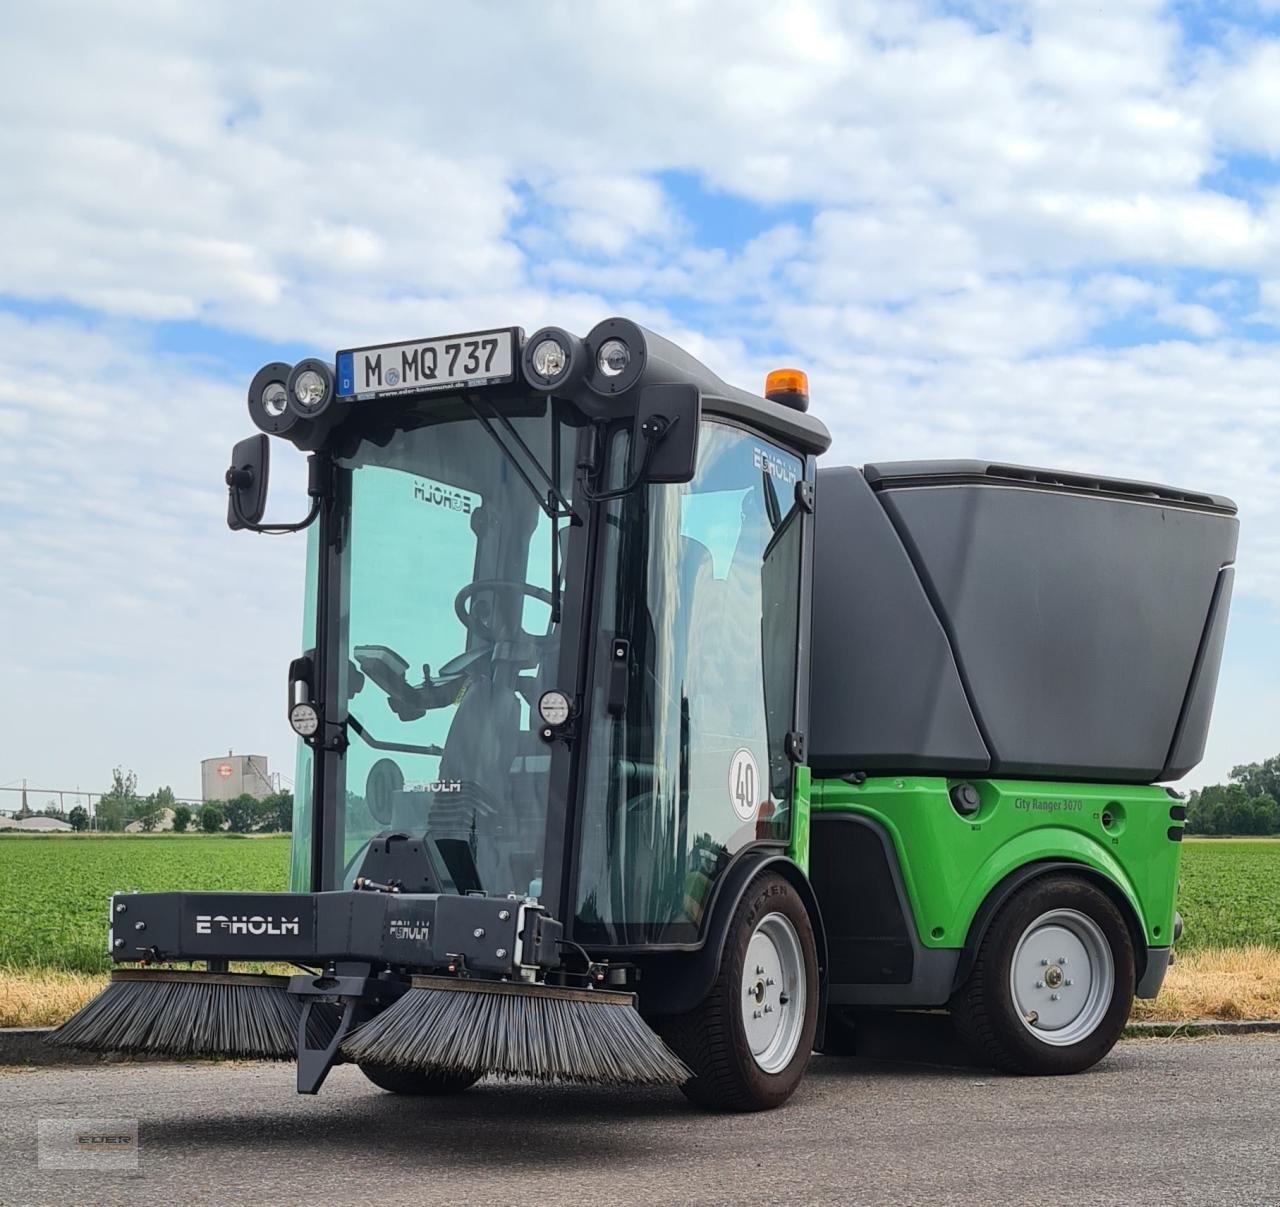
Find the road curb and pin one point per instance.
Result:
(1204, 1026)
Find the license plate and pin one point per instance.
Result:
(478, 358)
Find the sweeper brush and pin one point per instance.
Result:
(541, 1032)
(177, 1013)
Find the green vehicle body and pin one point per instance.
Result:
(951, 864)
(1125, 837)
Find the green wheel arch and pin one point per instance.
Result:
(1055, 845)
(1029, 872)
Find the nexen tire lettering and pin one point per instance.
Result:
(248, 924)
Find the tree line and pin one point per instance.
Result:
(1247, 804)
(122, 805)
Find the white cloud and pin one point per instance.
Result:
(1243, 98)
(606, 214)
(948, 212)
(139, 629)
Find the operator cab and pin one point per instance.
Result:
(554, 627)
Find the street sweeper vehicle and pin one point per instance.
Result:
(635, 748)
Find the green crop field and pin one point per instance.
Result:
(54, 890)
(1229, 892)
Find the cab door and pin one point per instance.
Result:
(687, 758)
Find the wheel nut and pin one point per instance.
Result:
(119, 943)
(1068, 981)
(478, 932)
(1053, 997)
(139, 926)
(501, 953)
(1039, 984)
(768, 980)
(503, 915)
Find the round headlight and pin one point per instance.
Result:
(308, 390)
(549, 358)
(618, 357)
(553, 708)
(304, 719)
(275, 399)
(269, 399)
(613, 358)
(553, 359)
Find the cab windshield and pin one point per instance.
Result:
(448, 637)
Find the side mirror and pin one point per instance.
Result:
(665, 438)
(247, 482)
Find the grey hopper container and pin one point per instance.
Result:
(977, 618)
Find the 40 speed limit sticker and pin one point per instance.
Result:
(744, 783)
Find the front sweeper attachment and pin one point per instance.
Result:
(180, 1013)
(545, 1032)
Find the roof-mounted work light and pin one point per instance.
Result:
(310, 388)
(553, 359)
(269, 399)
(618, 353)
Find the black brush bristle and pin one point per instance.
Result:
(538, 1032)
(189, 1014)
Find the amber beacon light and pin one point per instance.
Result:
(789, 387)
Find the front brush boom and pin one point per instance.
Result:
(542, 1032)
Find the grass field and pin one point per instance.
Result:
(54, 891)
(1229, 892)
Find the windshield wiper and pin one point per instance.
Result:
(771, 505)
(553, 504)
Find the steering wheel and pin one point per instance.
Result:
(477, 625)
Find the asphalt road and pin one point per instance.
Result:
(1161, 1121)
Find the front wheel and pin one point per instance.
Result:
(749, 1040)
(1052, 985)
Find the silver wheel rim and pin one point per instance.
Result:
(1063, 977)
(773, 992)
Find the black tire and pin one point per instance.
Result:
(983, 1007)
(712, 1039)
(418, 1081)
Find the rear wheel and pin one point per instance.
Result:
(749, 1040)
(1053, 982)
(418, 1081)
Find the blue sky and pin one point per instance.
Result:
(1036, 231)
